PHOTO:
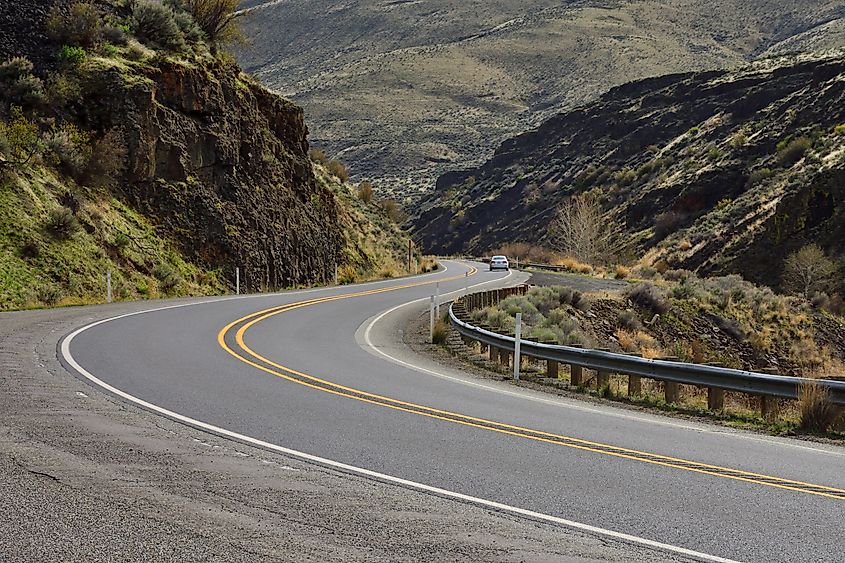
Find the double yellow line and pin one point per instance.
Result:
(254, 359)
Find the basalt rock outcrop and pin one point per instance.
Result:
(723, 171)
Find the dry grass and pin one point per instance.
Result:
(440, 332)
(818, 413)
(574, 265)
(622, 272)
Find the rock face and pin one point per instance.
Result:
(696, 169)
(222, 165)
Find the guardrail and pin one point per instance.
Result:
(715, 378)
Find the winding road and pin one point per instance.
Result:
(323, 375)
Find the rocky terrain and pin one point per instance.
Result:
(719, 172)
(404, 91)
(166, 165)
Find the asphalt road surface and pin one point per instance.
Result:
(294, 371)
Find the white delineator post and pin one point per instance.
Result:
(517, 333)
(335, 274)
(437, 299)
(431, 320)
(466, 283)
(237, 281)
(109, 296)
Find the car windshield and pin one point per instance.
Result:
(499, 258)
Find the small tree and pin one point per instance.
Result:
(808, 270)
(19, 139)
(365, 191)
(216, 18)
(582, 231)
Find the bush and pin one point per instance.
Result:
(622, 272)
(667, 223)
(19, 138)
(70, 147)
(72, 56)
(393, 211)
(62, 224)
(440, 332)
(337, 169)
(758, 176)
(167, 276)
(216, 19)
(18, 85)
(738, 140)
(108, 158)
(365, 192)
(649, 297)
(318, 156)
(189, 28)
(154, 24)
(49, 294)
(793, 151)
(78, 24)
(31, 248)
(629, 320)
(818, 413)
(730, 327)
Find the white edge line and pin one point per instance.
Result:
(570, 404)
(71, 361)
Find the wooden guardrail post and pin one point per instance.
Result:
(552, 367)
(635, 382)
(602, 379)
(715, 398)
(672, 391)
(769, 407)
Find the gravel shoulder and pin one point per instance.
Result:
(87, 477)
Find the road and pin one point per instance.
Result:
(298, 371)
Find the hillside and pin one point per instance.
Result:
(719, 172)
(404, 91)
(128, 144)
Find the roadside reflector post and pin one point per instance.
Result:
(466, 283)
(431, 319)
(237, 281)
(335, 273)
(437, 299)
(516, 347)
(109, 296)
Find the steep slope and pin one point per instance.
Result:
(724, 171)
(167, 166)
(403, 91)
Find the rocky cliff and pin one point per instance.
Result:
(723, 171)
(169, 167)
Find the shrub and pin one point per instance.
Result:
(808, 270)
(738, 140)
(393, 211)
(649, 297)
(188, 26)
(622, 272)
(70, 56)
(365, 192)
(818, 413)
(793, 151)
(108, 158)
(77, 24)
(154, 24)
(31, 248)
(758, 176)
(18, 85)
(839, 129)
(629, 320)
(121, 241)
(49, 294)
(216, 19)
(19, 137)
(730, 327)
(116, 35)
(318, 156)
(820, 300)
(167, 276)
(337, 169)
(440, 332)
(70, 146)
(347, 274)
(667, 223)
(62, 223)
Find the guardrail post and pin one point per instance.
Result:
(109, 296)
(715, 398)
(517, 335)
(238, 279)
(602, 379)
(493, 354)
(672, 391)
(576, 375)
(769, 407)
(466, 283)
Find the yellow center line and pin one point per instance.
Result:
(323, 385)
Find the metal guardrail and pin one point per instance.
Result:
(663, 370)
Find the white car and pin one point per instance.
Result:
(499, 263)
